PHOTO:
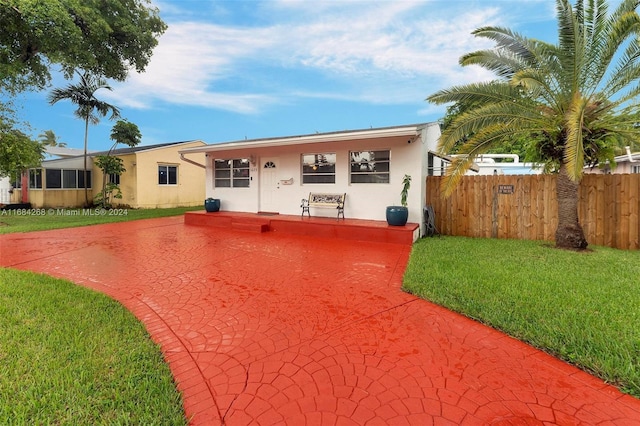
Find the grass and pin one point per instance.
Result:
(44, 219)
(581, 307)
(69, 355)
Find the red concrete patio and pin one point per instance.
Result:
(278, 328)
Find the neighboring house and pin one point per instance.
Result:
(155, 177)
(627, 163)
(502, 164)
(8, 184)
(52, 152)
(5, 190)
(274, 174)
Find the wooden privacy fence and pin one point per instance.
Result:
(524, 207)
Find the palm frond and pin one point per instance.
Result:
(574, 143)
(504, 65)
(82, 94)
(626, 71)
(513, 118)
(571, 46)
(479, 143)
(486, 92)
(509, 41)
(622, 31)
(455, 170)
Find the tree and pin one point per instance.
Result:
(49, 138)
(105, 37)
(83, 95)
(579, 96)
(519, 144)
(18, 152)
(122, 132)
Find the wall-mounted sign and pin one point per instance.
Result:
(505, 189)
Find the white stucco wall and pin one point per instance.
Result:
(364, 200)
(5, 187)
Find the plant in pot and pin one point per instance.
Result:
(212, 205)
(398, 215)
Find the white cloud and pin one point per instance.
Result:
(380, 52)
(189, 59)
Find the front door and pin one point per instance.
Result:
(269, 184)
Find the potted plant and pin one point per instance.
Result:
(398, 215)
(212, 205)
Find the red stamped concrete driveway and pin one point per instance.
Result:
(279, 329)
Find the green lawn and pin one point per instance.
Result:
(582, 307)
(71, 356)
(43, 219)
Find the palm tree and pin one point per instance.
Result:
(576, 100)
(123, 132)
(49, 138)
(90, 108)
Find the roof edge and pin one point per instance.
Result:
(385, 132)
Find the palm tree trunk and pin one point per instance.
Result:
(86, 137)
(569, 233)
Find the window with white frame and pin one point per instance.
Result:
(231, 173)
(635, 169)
(369, 166)
(167, 175)
(319, 168)
(17, 181)
(35, 178)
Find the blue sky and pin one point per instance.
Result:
(230, 70)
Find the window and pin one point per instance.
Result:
(69, 179)
(53, 178)
(369, 166)
(167, 175)
(66, 178)
(17, 181)
(81, 179)
(232, 173)
(635, 169)
(114, 178)
(35, 178)
(319, 168)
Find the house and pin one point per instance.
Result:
(274, 174)
(5, 190)
(627, 163)
(156, 176)
(502, 164)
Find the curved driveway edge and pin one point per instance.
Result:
(283, 329)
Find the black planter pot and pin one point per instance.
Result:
(212, 205)
(397, 215)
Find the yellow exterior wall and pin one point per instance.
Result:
(59, 198)
(127, 182)
(139, 183)
(53, 198)
(190, 189)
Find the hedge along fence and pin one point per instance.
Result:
(524, 207)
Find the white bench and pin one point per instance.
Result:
(324, 201)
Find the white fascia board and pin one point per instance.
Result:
(625, 158)
(390, 132)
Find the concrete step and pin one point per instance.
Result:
(252, 226)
